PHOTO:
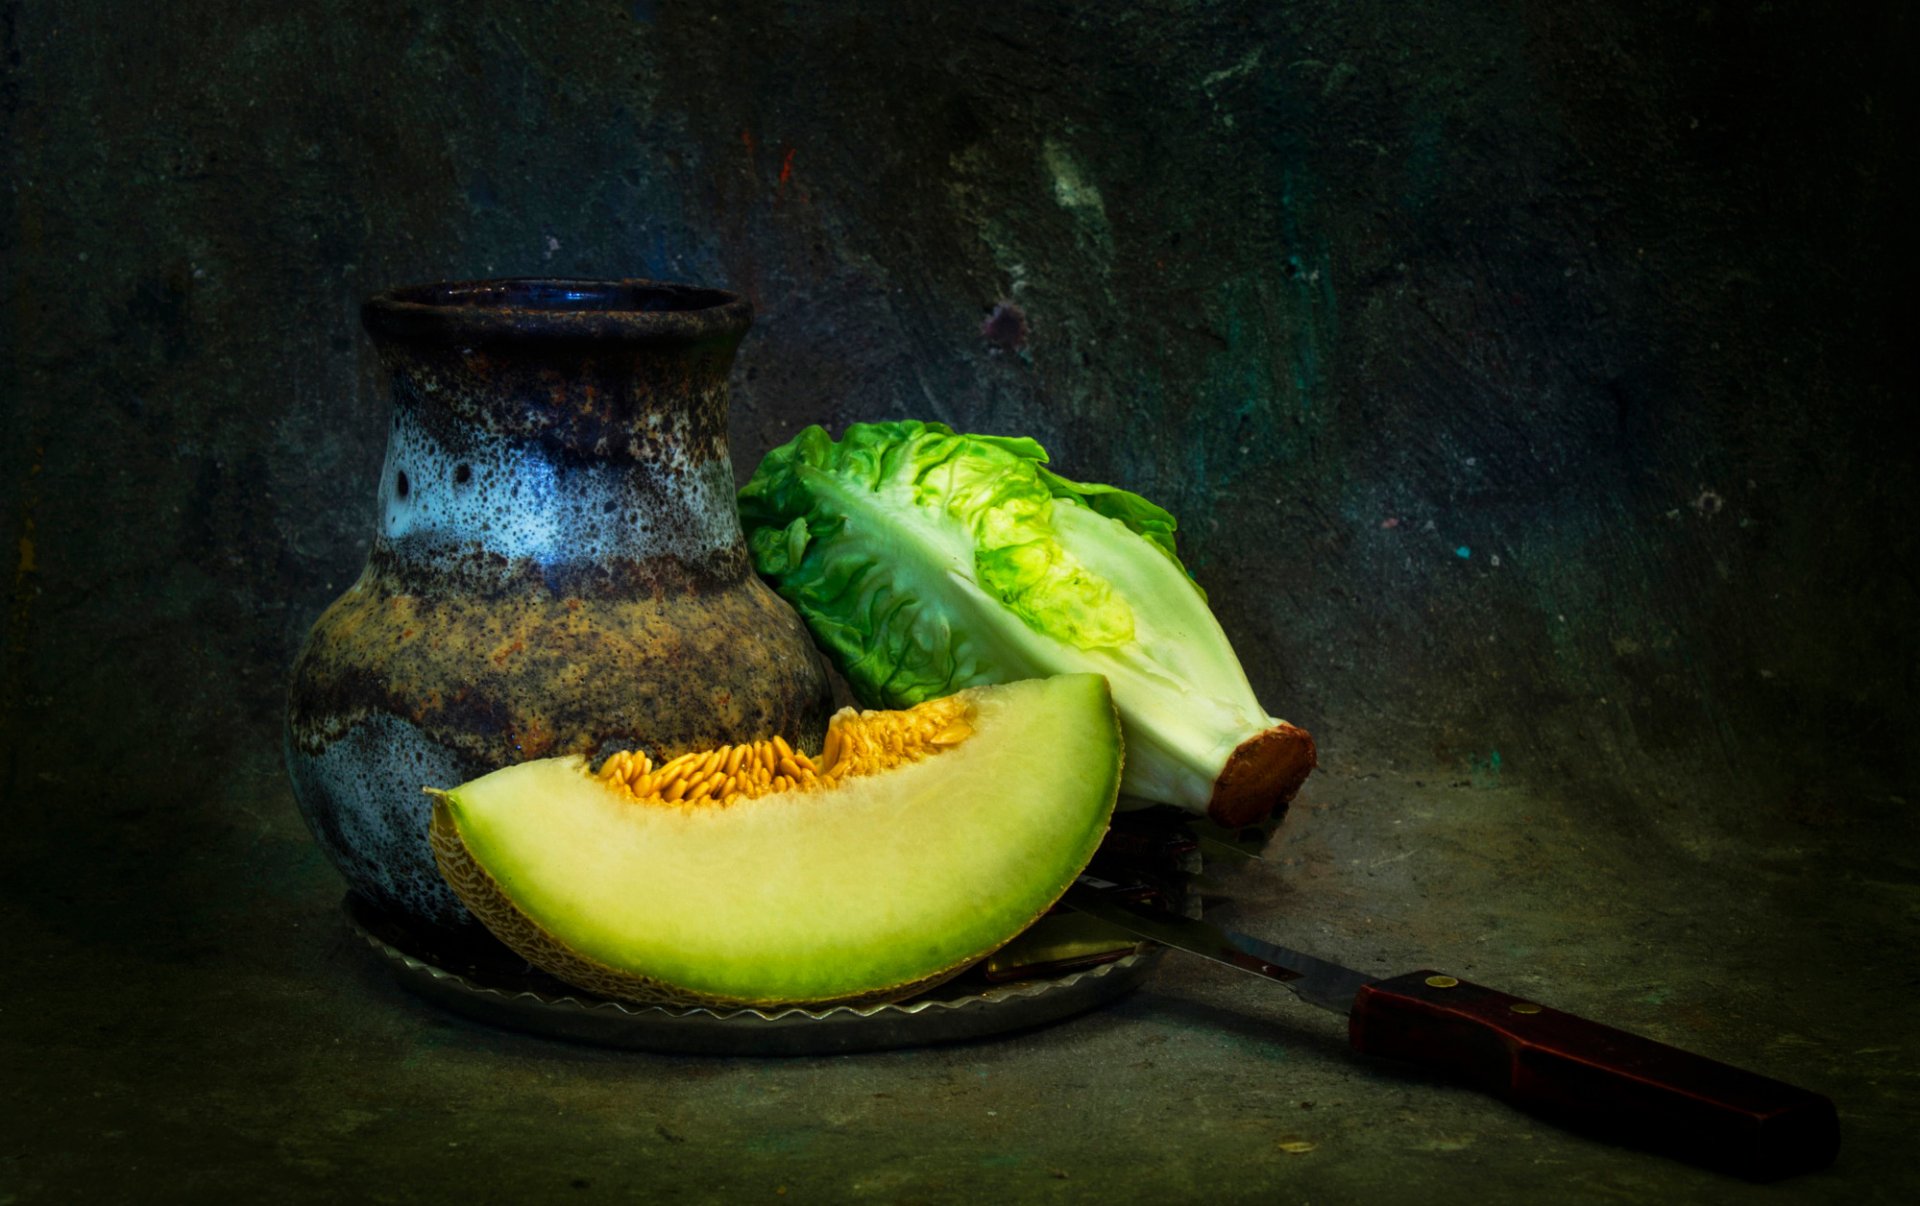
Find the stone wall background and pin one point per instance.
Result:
(1525, 376)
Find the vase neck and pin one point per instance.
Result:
(575, 465)
(601, 403)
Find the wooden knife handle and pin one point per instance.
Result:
(1598, 1079)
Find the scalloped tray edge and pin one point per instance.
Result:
(995, 1009)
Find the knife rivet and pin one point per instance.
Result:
(1524, 1007)
(1441, 982)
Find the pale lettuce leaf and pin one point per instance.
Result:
(925, 561)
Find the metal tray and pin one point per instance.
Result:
(489, 985)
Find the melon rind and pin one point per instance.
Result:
(872, 890)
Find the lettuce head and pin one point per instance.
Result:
(924, 561)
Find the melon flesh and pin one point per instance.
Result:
(868, 889)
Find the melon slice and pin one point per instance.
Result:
(914, 845)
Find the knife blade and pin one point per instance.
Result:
(1575, 1072)
(1315, 981)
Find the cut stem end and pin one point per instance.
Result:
(1262, 775)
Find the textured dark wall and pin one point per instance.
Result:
(1521, 373)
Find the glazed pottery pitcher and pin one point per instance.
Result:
(557, 567)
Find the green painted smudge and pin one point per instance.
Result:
(1485, 772)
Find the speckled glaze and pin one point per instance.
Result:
(557, 567)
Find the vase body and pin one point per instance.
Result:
(557, 567)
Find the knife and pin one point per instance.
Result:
(1577, 1073)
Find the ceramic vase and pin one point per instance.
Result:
(556, 567)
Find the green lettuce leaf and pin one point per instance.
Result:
(924, 561)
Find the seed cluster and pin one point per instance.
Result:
(858, 743)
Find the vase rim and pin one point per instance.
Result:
(557, 309)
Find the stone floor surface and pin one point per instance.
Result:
(190, 1021)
